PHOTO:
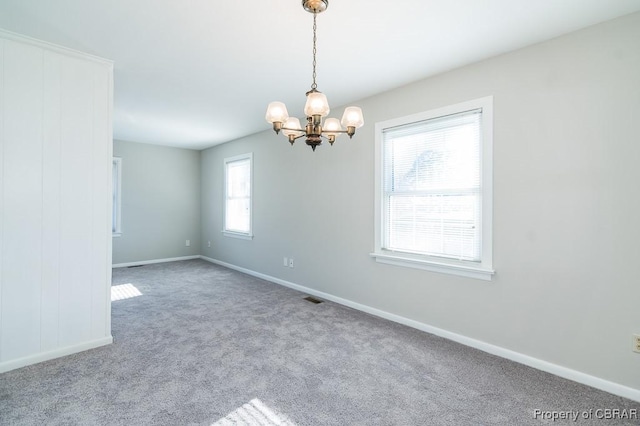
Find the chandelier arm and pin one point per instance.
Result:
(291, 128)
(350, 131)
(333, 131)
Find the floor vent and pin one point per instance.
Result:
(312, 300)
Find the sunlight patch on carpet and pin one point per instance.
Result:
(254, 413)
(124, 291)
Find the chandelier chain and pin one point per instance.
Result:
(314, 85)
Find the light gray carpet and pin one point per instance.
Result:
(205, 345)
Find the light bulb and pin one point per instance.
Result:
(276, 113)
(352, 117)
(331, 127)
(317, 104)
(292, 123)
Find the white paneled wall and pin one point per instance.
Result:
(55, 171)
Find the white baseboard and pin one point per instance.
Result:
(149, 262)
(56, 353)
(567, 373)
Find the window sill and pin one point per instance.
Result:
(238, 235)
(441, 267)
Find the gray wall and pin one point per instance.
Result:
(160, 202)
(566, 203)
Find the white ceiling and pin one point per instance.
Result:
(195, 73)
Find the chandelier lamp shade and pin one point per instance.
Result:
(316, 107)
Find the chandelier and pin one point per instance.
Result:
(317, 106)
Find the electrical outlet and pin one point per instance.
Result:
(636, 343)
(187, 243)
(285, 261)
(291, 262)
(208, 243)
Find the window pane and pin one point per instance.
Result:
(432, 187)
(239, 179)
(116, 196)
(237, 216)
(114, 205)
(438, 225)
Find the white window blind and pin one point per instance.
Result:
(432, 187)
(238, 195)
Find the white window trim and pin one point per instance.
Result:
(238, 235)
(482, 270)
(118, 190)
(230, 233)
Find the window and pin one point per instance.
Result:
(237, 210)
(434, 190)
(116, 219)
